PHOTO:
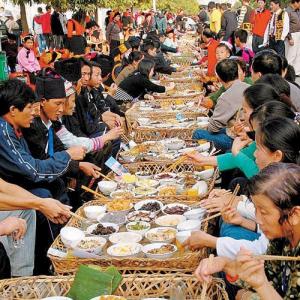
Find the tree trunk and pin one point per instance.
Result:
(96, 16)
(24, 17)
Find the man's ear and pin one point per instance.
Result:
(42, 102)
(12, 110)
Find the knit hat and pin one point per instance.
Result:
(70, 69)
(49, 85)
(106, 63)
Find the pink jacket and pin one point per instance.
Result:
(27, 64)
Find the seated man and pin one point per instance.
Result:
(229, 103)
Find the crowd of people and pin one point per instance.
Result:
(62, 118)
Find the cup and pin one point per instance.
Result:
(181, 237)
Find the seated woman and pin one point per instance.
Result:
(139, 84)
(27, 61)
(275, 194)
(243, 149)
(134, 59)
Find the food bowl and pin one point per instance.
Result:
(91, 228)
(204, 147)
(147, 183)
(93, 245)
(141, 215)
(147, 249)
(206, 174)
(182, 236)
(121, 194)
(170, 209)
(149, 205)
(175, 144)
(134, 227)
(161, 235)
(195, 214)
(124, 250)
(169, 220)
(189, 225)
(201, 187)
(124, 237)
(71, 236)
(112, 217)
(142, 175)
(94, 211)
(143, 121)
(107, 187)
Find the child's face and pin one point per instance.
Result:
(29, 44)
(221, 53)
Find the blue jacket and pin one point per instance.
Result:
(17, 164)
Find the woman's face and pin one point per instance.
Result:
(267, 217)
(69, 106)
(247, 111)
(263, 156)
(28, 44)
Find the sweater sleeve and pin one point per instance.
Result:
(152, 87)
(215, 96)
(18, 160)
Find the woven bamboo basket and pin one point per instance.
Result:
(182, 79)
(143, 134)
(193, 95)
(134, 113)
(132, 287)
(181, 262)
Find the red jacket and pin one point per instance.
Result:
(45, 21)
(260, 21)
(211, 56)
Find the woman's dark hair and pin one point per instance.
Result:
(280, 182)
(241, 34)
(208, 33)
(280, 134)
(135, 56)
(290, 75)
(285, 62)
(267, 62)
(259, 93)
(148, 46)
(271, 109)
(227, 70)
(241, 63)
(79, 16)
(280, 85)
(145, 67)
(15, 93)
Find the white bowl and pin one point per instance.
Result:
(169, 220)
(136, 249)
(201, 187)
(107, 187)
(206, 174)
(140, 204)
(94, 211)
(143, 121)
(149, 247)
(189, 225)
(123, 237)
(147, 183)
(91, 228)
(204, 147)
(122, 218)
(71, 236)
(175, 144)
(141, 232)
(94, 250)
(141, 175)
(195, 214)
(182, 236)
(160, 229)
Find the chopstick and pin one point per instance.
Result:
(124, 137)
(277, 257)
(205, 284)
(104, 176)
(78, 217)
(231, 200)
(92, 192)
(175, 164)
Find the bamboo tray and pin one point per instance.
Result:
(132, 287)
(66, 263)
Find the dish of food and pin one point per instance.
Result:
(123, 194)
(145, 191)
(149, 205)
(137, 226)
(147, 183)
(161, 234)
(119, 205)
(175, 209)
(170, 220)
(115, 218)
(165, 249)
(123, 237)
(91, 242)
(166, 191)
(165, 176)
(103, 229)
(124, 249)
(141, 215)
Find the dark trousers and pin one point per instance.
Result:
(48, 40)
(277, 46)
(256, 41)
(114, 44)
(4, 264)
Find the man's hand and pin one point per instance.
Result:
(89, 169)
(55, 211)
(200, 239)
(13, 224)
(77, 152)
(113, 134)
